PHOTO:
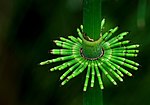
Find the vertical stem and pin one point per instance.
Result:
(92, 23)
(141, 13)
(92, 18)
(93, 96)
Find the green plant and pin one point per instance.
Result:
(111, 59)
(93, 51)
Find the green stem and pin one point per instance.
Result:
(141, 13)
(92, 23)
(92, 18)
(93, 96)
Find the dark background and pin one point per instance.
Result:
(27, 31)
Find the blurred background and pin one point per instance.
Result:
(27, 31)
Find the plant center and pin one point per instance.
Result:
(91, 49)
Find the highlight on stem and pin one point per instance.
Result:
(113, 57)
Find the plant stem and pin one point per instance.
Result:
(92, 23)
(92, 18)
(93, 96)
(141, 16)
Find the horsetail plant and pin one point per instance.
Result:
(111, 60)
(95, 53)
